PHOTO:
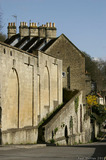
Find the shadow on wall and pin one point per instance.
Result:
(68, 94)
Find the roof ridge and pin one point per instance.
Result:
(49, 44)
(73, 44)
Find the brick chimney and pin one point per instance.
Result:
(50, 30)
(33, 30)
(11, 29)
(23, 29)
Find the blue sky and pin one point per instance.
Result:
(82, 21)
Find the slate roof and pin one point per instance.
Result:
(30, 43)
(38, 44)
(22, 41)
(12, 39)
(26, 43)
(35, 43)
(48, 44)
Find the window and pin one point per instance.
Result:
(63, 74)
(28, 60)
(4, 51)
(10, 53)
(14, 62)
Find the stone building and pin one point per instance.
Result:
(44, 38)
(35, 66)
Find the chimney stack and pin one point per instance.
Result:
(41, 31)
(11, 29)
(33, 30)
(23, 29)
(47, 30)
(50, 30)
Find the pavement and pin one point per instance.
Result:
(22, 146)
(90, 151)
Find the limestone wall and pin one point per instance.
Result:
(72, 58)
(50, 83)
(17, 88)
(20, 136)
(61, 124)
(30, 87)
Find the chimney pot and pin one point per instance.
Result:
(21, 23)
(47, 24)
(11, 29)
(50, 24)
(25, 23)
(30, 24)
(53, 24)
(50, 31)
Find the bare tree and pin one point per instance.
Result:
(2, 36)
(97, 70)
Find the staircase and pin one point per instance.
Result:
(41, 128)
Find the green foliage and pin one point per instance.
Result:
(57, 144)
(101, 134)
(2, 37)
(75, 143)
(97, 70)
(52, 141)
(41, 122)
(98, 113)
(55, 131)
(67, 94)
(6, 143)
(76, 104)
(50, 115)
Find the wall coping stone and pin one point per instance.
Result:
(19, 129)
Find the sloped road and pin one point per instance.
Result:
(92, 151)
